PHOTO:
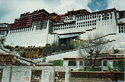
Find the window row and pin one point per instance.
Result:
(62, 28)
(1, 33)
(73, 63)
(86, 17)
(93, 24)
(66, 25)
(87, 22)
(17, 31)
(122, 29)
(114, 62)
(69, 19)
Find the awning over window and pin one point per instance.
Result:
(68, 35)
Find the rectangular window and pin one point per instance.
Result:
(104, 63)
(120, 29)
(36, 73)
(72, 63)
(81, 63)
(97, 62)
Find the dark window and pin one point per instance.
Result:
(72, 63)
(120, 29)
(81, 63)
(97, 62)
(104, 63)
(36, 73)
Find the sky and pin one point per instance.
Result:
(11, 9)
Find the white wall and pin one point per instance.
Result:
(65, 63)
(62, 55)
(109, 63)
(29, 38)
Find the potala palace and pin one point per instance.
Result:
(40, 27)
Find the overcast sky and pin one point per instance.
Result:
(11, 9)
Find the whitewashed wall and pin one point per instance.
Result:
(65, 63)
(29, 38)
(62, 55)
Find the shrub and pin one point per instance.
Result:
(16, 46)
(120, 65)
(9, 47)
(58, 62)
(116, 51)
(74, 44)
(63, 47)
(47, 49)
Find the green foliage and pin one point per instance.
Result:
(94, 46)
(9, 47)
(18, 63)
(58, 62)
(116, 51)
(16, 46)
(110, 68)
(47, 49)
(120, 65)
(36, 73)
(55, 47)
(91, 68)
(19, 48)
(63, 47)
(74, 44)
(24, 54)
(80, 69)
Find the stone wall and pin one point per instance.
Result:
(96, 76)
(54, 74)
(24, 73)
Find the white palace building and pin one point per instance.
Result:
(73, 24)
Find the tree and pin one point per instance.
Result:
(94, 46)
(47, 49)
(63, 47)
(74, 44)
(120, 65)
(16, 46)
(9, 47)
(55, 47)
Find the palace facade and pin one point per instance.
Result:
(40, 27)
